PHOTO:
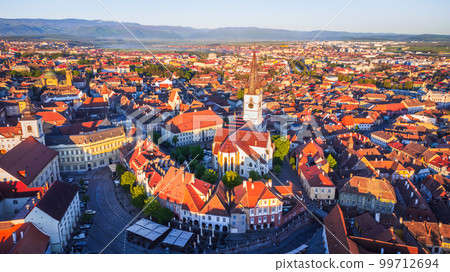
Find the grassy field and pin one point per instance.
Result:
(424, 47)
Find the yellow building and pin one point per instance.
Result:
(51, 79)
(88, 151)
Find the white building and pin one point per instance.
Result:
(31, 163)
(29, 125)
(192, 126)
(56, 214)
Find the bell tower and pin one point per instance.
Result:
(30, 124)
(253, 97)
(69, 77)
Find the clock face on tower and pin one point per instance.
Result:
(250, 103)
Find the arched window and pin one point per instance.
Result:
(29, 129)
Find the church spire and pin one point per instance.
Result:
(253, 83)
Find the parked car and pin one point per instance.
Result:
(79, 244)
(70, 180)
(90, 212)
(80, 236)
(86, 182)
(85, 226)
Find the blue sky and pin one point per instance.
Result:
(393, 16)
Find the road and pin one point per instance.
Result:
(110, 218)
(298, 238)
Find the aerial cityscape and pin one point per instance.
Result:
(222, 140)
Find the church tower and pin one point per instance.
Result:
(69, 77)
(30, 124)
(253, 97)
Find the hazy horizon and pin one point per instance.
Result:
(399, 17)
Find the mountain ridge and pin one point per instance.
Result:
(98, 29)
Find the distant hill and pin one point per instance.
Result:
(95, 29)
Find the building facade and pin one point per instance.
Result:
(368, 194)
(88, 151)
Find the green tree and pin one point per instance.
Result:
(331, 161)
(154, 209)
(240, 94)
(254, 175)
(292, 162)
(277, 161)
(151, 206)
(387, 84)
(231, 179)
(210, 176)
(120, 169)
(196, 152)
(282, 146)
(163, 215)
(138, 195)
(181, 159)
(186, 151)
(127, 179)
(200, 171)
(277, 168)
(409, 85)
(155, 137)
(175, 140)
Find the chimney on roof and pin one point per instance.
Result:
(14, 237)
(440, 224)
(376, 159)
(21, 235)
(382, 251)
(377, 217)
(269, 183)
(400, 220)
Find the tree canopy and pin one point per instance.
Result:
(210, 176)
(254, 175)
(127, 179)
(331, 161)
(231, 179)
(138, 195)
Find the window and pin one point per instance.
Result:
(29, 129)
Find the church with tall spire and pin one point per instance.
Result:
(245, 145)
(253, 98)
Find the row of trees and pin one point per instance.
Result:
(282, 146)
(140, 199)
(159, 70)
(187, 153)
